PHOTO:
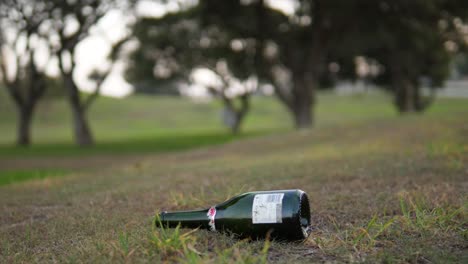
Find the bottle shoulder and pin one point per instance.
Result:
(233, 200)
(247, 199)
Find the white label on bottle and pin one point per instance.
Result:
(267, 208)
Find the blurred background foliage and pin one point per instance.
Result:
(239, 48)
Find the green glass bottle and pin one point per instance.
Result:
(285, 212)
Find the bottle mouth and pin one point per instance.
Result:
(304, 215)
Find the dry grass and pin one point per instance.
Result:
(393, 190)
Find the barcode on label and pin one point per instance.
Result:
(274, 198)
(267, 208)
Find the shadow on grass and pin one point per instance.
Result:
(164, 143)
(144, 145)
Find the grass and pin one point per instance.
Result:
(8, 177)
(173, 245)
(125, 130)
(382, 188)
(134, 125)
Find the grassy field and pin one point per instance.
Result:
(125, 130)
(383, 188)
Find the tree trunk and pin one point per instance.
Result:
(405, 95)
(239, 114)
(83, 136)
(236, 124)
(307, 74)
(405, 89)
(238, 118)
(418, 102)
(303, 101)
(303, 116)
(24, 126)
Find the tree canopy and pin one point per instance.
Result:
(410, 45)
(297, 53)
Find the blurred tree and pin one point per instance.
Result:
(60, 25)
(306, 41)
(307, 49)
(83, 15)
(415, 42)
(24, 79)
(70, 22)
(291, 51)
(253, 39)
(236, 103)
(411, 43)
(172, 46)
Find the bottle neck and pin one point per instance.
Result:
(186, 219)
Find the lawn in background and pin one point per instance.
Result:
(143, 125)
(134, 124)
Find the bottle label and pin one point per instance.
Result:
(211, 216)
(267, 208)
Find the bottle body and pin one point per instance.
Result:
(284, 213)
